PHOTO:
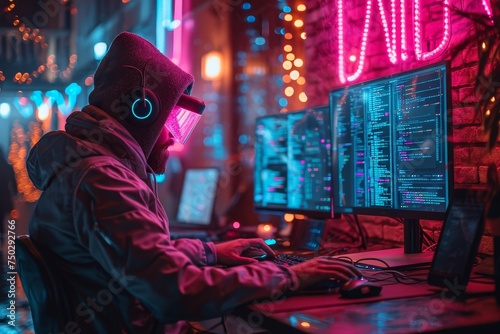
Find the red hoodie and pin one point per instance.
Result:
(102, 221)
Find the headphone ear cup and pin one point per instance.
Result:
(144, 111)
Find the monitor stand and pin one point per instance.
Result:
(411, 256)
(412, 236)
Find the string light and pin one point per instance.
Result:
(487, 8)
(342, 75)
(418, 35)
(390, 34)
(35, 36)
(17, 158)
(293, 61)
(404, 47)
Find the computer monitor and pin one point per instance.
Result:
(199, 190)
(293, 163)
(392, 145)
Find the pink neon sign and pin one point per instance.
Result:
(395, 33)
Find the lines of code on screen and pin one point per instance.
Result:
(391, 147)
(293, 161)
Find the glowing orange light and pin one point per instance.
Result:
(301, 81)
(286, 78)
(290, 56)
(267, 228)
(287, 65)
(303, 97)
(298, 62)
(289, 91)
(287, 48)
(294, 75)
(305, 324)
(288, 35)
(89, 81)
(14, 214)
(301, 7)
(288, 217)
(303, 35)
(298, 23)
(288, 17)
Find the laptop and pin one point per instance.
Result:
(195, 216)
(459, 240)
(305, 238)
(465, 203)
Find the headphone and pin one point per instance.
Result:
(145, 108)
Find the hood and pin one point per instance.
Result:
(89, 132)
(133, 69)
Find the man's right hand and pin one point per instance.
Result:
(322, 269)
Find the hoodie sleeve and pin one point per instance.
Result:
(114, 219)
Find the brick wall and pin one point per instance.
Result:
(470, 156)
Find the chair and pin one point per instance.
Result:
(49, 307)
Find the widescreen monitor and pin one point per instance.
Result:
(293, 163)
(392, 145)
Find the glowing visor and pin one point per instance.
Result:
(184, 117)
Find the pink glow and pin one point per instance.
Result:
(342, 74)
(177, 34)
(487, 8)
(390, 38)
(404, 48)
(391, 34)
(418, 35)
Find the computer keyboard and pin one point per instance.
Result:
(288, 259)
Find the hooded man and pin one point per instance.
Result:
(100, 222)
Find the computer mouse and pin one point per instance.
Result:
(254, 253)
(359, 288)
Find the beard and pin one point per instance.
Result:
(157, 160)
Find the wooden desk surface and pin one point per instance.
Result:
(415, 308)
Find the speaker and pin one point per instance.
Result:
(144, 109)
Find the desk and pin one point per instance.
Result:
(401, 308)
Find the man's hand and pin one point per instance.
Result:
(229, 252)
(323, 268)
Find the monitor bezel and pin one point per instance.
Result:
(397, 213)
(280, 210)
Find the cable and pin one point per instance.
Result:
(399, 275)
(430, 247)
(224, 324)
(362, 235)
